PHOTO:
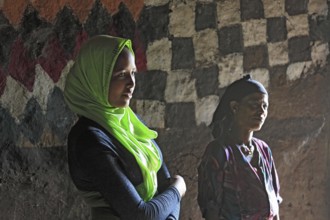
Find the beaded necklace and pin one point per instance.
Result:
(247, 150)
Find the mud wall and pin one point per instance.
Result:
(187, 53)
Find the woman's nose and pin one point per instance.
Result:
(131, 81)
(262, 109)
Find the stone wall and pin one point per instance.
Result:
(187, 52)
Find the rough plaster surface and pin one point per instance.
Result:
(228, 12)
(230, 69)
(297, 129)
(155, 2)
(205, 108)
(180, 87)
(297, 25)
(206, 53)
(277, 53)
(151, 112)
(17, 92)
(296, 70)
(274, 8)
(179, 27)
(282, 44)
(157, 61)
(254, 32)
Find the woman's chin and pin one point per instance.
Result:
(257, 127)
(123, 104)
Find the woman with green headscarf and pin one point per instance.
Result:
(113, 159)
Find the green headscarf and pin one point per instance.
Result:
(86, 93)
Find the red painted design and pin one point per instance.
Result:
(81, 8)
(111, 5)
(21, 67)
(49, 9)
(135, 7)
(113, 31)
(140, 52)
(3, 78)
(80, 39)
(53, 59)
(14, 11)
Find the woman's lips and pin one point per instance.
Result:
(260, 119)
(128, 95)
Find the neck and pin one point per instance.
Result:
(241, 137)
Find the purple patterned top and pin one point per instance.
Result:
(230, 187)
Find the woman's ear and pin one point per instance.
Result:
(233, 106)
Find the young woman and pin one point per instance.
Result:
(237, 178)
(113, 158)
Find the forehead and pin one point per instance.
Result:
(125, 55)
(257, 97)
(125, 58)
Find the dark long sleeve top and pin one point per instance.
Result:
(99, 163)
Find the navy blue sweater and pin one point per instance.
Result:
(98, 162)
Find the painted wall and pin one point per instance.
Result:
(187, 53)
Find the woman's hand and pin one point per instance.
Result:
(179, 183)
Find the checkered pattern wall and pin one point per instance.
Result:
(251, 36)
(209, 44)
(187, 52)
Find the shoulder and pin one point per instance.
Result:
(87, 133)
(259, 141)
(215, 146)
(263, 146)
(211, 148)
(214, 154)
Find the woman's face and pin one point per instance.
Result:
(122, 83)
(251, 112)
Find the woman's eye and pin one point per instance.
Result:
(120, 75)
(254, 105)
(125, 74)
